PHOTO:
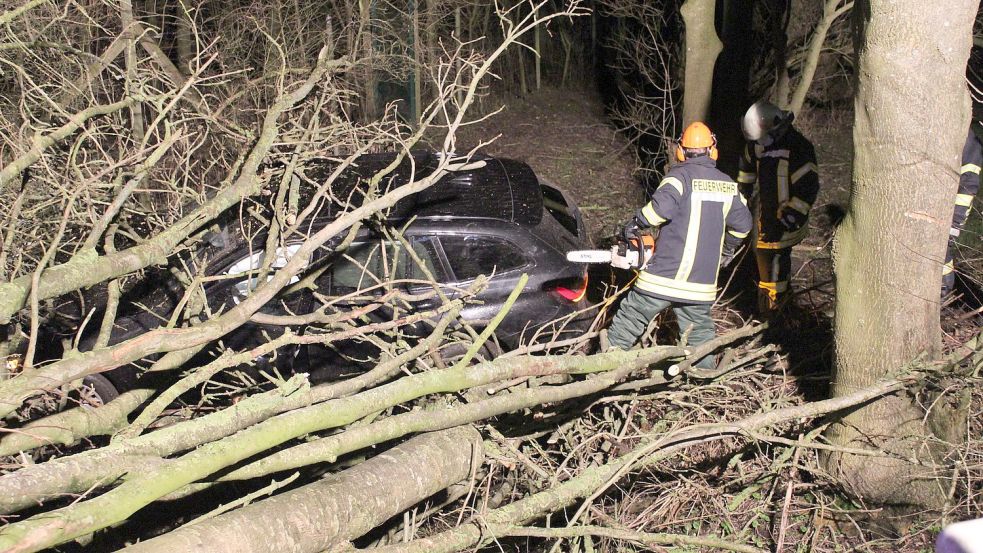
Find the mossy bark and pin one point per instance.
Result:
(338, 508)
(69, 427)
(911, 115)
(702, 48)
(155, 478)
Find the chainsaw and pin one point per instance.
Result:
(631, 253)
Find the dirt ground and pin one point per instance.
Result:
(565, 136)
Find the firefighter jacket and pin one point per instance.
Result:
(697, 208)
(969, 177)
(786, 176)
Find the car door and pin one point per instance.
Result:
(470, 254)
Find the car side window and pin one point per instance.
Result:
(470, 256)
(366, 264)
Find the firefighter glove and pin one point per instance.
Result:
(727, 255)
(631, 230)
(791, 219)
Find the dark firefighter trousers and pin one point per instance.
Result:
(637, 310)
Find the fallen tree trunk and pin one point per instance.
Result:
(341, 507)
(141, 487)
(151, 478)
(76, 474)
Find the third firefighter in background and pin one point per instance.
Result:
(779, 177)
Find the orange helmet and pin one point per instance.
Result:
(697, 139)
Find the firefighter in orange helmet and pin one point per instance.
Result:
(701, 219)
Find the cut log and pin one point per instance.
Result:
(339, 508)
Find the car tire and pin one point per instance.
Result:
(101, 387)
(451, 354)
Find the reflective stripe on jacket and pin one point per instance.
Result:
(786, 176)
(697, 208)
(969, 179)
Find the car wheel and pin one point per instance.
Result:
(452, 353)
(97, 390)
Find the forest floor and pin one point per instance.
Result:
(566, 137)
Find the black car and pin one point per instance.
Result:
(496, 219)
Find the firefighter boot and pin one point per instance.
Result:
(772, 297)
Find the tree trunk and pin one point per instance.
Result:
(778, 33)
(338, 508)
(417, 5)
(912, 111)
(538, 47)
(130, 56)
(702, 48)
(371, 100)
(184, 37)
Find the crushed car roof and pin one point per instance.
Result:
(502, 189)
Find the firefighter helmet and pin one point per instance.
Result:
(761, 119)
(696, 140)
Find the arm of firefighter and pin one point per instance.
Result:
(803, 180)
(739, 221)
(747, 171)
(664, 204)
(969, 181)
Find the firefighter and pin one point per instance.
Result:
(969, 185)
(701, 218)
(778, 176)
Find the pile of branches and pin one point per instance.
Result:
(127, 168)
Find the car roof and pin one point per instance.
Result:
(502, 189)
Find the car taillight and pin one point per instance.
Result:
(572, 289)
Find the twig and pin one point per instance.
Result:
(646, 538)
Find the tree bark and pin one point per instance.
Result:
(911, 115)
(341, 507)
(370, 104)
(184, 37)
(130, 57)
(69, 427)
(136, 457)
(702, 48)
